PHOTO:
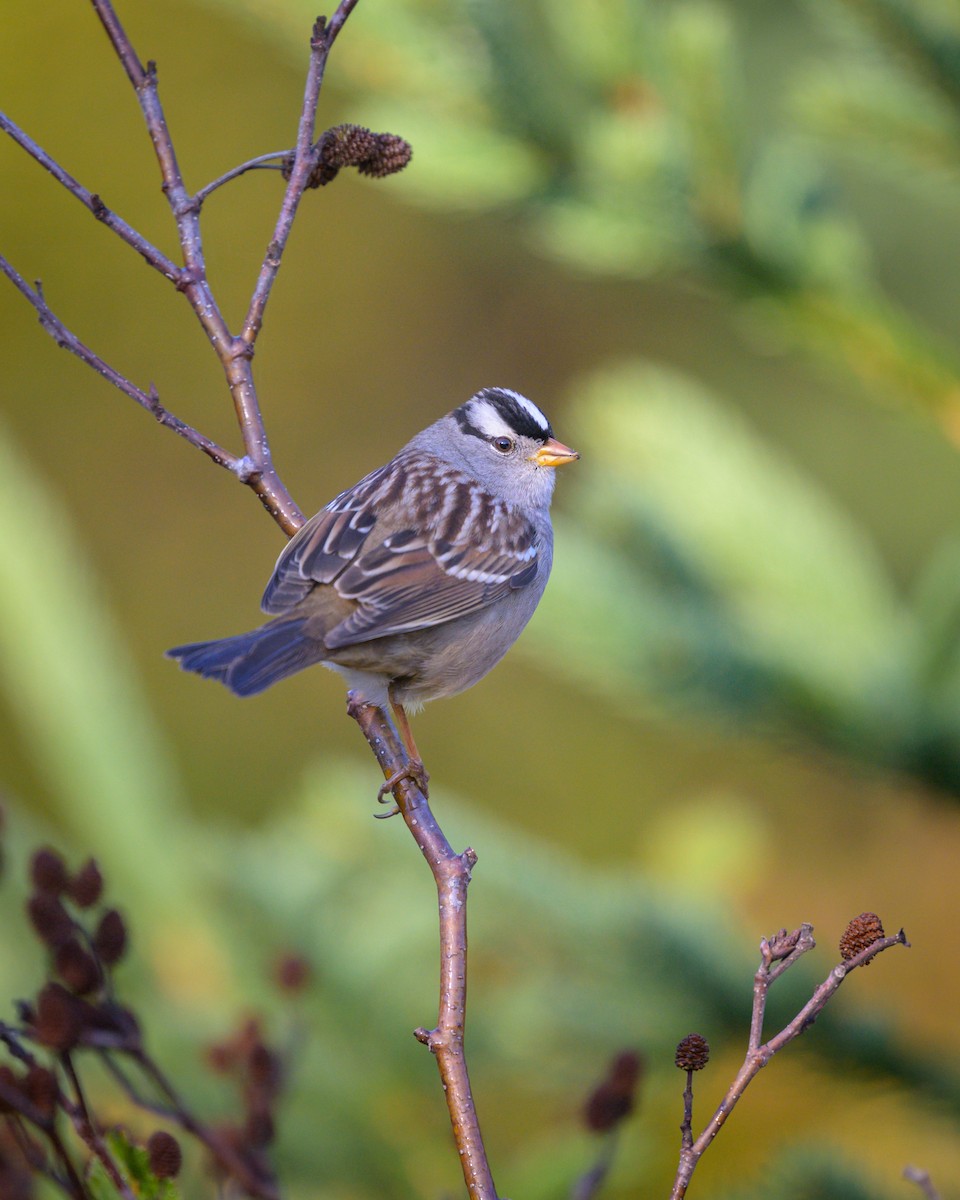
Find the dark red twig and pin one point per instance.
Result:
(86, 1127)
(451, 872)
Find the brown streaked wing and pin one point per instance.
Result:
(413, 582)
(326, 544)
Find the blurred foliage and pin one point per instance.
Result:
(624, 136)
(700, 570)
(704, 569)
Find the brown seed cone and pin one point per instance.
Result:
(348, 145)
(693, 1053)
(165, 1154)
(48, 871)
(86, 887)
(613, 1098)
(392, 154)
(862, 932)
(40, 1087)
(110, 938)
(50, 919)
(77, 968)
(291, 973)
(59, 1018)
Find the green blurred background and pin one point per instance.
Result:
(717, 241)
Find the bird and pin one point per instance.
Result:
(415, 582)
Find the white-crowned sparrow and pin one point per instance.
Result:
(416, 581)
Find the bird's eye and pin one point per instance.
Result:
(503, 444)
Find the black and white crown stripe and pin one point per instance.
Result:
(497, 411)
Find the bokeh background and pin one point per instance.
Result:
(717, 240)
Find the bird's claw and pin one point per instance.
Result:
(415, 771)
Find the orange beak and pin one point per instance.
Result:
(554, 454)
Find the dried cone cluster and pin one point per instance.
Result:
(693, 1053)
(862, 932)
(259, 1073)
(76, 1008)
(374, 154)
(613, 1098)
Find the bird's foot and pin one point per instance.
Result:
(415, 771)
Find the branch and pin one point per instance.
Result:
(778, 955)
(922, 1179)
(263, 162)
(451, 873)
(89, 1133)
(156, 258)
(304, 160)
(234, 353)
(68, 340)
(234, 1163)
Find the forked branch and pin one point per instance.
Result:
(862, 942)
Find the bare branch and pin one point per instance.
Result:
(223, 1152)
(305, 156)
(87, 1130)
(451, 873)
(336, 22)
(68, 340)
(263, 162)
(156, 258)
(923, 1181)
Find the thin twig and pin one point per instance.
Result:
(451, 872)
(165, 1111)
(304, 159)
(686, 1126)
(263, 162)
(156, 258)
(89, 1133)
(593, 1179)
(76, 1184)
(923, 1181)
(35, 1157)
(68, 340)
(770, 969)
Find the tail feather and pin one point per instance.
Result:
(250, 662)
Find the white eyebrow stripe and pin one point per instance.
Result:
(488, 420)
